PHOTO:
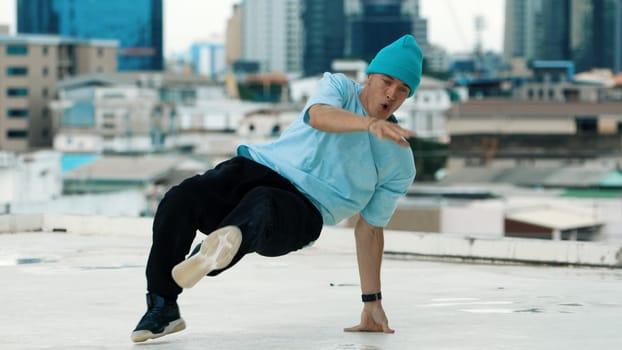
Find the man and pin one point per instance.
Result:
(345, 155)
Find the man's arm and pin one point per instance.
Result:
(369, 250)
(337, 120)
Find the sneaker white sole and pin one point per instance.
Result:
(217, 251)
(142, 335)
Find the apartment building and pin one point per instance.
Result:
(30, 67)
(98, 112)
(272, 35)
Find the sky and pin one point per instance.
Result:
(451, 23)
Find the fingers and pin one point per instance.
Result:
(373, 319)
(386, 329)
(358, 328)
(391, 131)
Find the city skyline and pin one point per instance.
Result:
(451, 23)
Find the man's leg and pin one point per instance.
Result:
(208, 202)
(199, 202)
(272, 222)
(276, 221)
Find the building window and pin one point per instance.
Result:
(16, 50)
(100, 52)
(17, 92)
(17, 134)
(17, 113)
(44, 50)
(16, 71)
(44, 92)
(45, 71)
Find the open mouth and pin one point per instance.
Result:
(385, 106)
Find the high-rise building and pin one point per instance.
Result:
(372, 24)
(272, 35)
(593, 33)
(324, 34)
(208, 59)
(536, 29)
(233, 36)
(587, 32)
(36, 17)
(554, 36)
(30, 66)
(420, 25)
(136, 24)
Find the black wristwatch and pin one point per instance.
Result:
(371, 297)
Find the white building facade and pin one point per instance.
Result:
(29, 178)
(272, 35)
(424, 113)
(90, 118)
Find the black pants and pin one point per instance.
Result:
(274, 217)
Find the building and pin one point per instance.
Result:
(436, 58)
(531, 25)
(137, 25)
(28, 178)
(557, 81)
(208, 59)
(272, 35)
(420, 25)
(30, 66)
(588, 32)
(233, 36)
(109, 113)
(424, 113)
(596, 40)
(140, 112)
(503, 131)
(324, 34)
(372, 24)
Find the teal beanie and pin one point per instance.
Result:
(401, 60)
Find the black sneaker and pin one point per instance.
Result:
(162, 318)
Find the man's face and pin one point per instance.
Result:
(385, 95)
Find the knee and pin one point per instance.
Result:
(181, 193)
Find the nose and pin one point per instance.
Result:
(391, 92)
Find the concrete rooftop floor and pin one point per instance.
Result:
(86, 291)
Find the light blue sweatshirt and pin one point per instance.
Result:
(341, 173)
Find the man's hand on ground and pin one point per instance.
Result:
(373, 319)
